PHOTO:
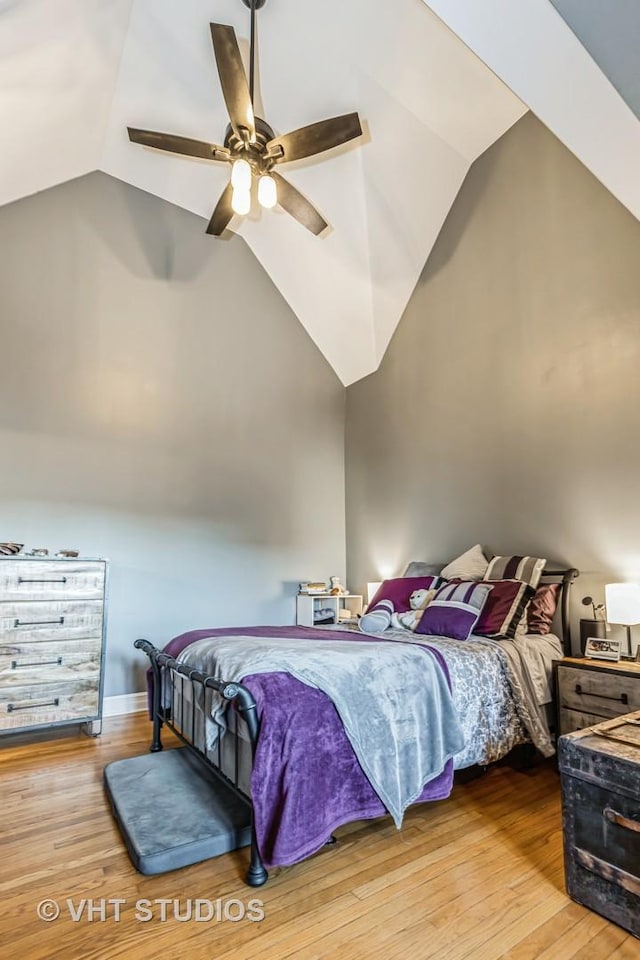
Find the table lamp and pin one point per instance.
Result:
(372, 589)
(623, 606)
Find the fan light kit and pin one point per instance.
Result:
(250, 144)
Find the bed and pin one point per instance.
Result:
(294, 741)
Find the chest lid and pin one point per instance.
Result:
(607, 754)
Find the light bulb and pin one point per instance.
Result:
(241, 201)
(241, 175)
(267, 191)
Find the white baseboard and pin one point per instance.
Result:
(123, 704)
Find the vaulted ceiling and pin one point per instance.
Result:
(435, 84)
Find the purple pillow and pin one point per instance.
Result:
(455, 609)
(504, 609)
(399, 590)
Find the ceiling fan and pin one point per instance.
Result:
(250, 144)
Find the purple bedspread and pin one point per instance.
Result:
(306, 779)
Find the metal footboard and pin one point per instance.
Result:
(168, 675)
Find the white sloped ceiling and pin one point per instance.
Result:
(59, 62)
(75, 73)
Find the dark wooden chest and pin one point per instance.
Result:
(600, 773)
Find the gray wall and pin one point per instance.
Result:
(507, 408)
(161, 405)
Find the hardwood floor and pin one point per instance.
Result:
(477, 876)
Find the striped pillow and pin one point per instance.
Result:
(527, 569)
(504, 609)
(455, 609)
(377, 618)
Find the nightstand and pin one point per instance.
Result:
(316, 609)
(590, 691)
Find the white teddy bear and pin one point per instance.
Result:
(419, 600)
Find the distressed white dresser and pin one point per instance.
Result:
(52, 631)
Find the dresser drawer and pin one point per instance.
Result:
(22, 663)
(597, 692)
(51, 580)
(570, 720)
(22, 621)
(48, 703)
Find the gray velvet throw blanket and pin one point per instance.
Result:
(392, 698)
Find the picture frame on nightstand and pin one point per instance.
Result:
(597, 648)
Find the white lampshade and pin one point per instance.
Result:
(623, 603)
(372, 589)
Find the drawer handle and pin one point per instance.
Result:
(38, 623)
(56, 580)
(11, 707)
(614, 817)
(623, 698)
(16, 665)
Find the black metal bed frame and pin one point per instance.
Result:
(167, 671)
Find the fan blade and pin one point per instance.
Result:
(233, 79)
(222, 213)
(174, 144)
(298, 206)
(316, 138)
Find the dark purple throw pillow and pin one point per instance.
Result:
(455, 609)
(542, 609)
(504, 608)
(400, 589)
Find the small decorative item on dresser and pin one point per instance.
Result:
(600, 649)
(39, 552)
(10, 549)
(590, 629)
(600, 778)
(67, 554)
(597, 627)
(598, 609)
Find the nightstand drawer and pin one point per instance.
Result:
(51, 580)
(33, 663)
(597, 692)
(570, 720)
(48, 703)
(40, 620)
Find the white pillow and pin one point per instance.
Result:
(471, 565)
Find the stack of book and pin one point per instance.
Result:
(313, 587)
